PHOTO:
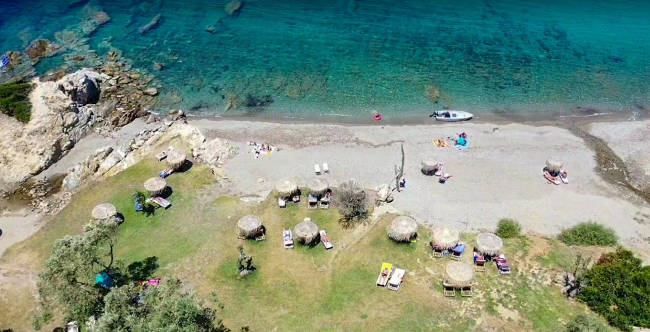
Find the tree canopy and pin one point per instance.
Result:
(618, 288)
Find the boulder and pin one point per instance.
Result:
(233, 7)
(152, 24)
(214, 151)
(151, 91)
(82, 87)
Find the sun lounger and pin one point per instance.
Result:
(448, 289)
(287, 239)
(395, 281)
(466, 291)
(324, 204)
(165, 173)
(437, 251)
(502, 265)
(313, 201)
(479, 263)
(160, 201)
(295, 198)
(317, 169)
(325, 239)
(457, 251)
(162, 155)
(384, 274)
(138, 206)
(282, 203)
(326, 168)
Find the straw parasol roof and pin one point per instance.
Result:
(318, 186)
(249, 226)
(489, 243)
(446, 238)
(155, 185)
(429, 166)
(176, 158)
(286, 187)
(459, 274)
(306, 231)
(553, 164)
(402, 229)
(104, 211)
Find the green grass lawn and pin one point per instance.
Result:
(303, 288)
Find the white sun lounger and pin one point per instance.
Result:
(287, 237)
(282, 203)
(395, 282)
(325, 239)
(326, 168)
(317, 169)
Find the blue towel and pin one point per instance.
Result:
(4, 61)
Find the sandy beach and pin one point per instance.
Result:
(497, 176)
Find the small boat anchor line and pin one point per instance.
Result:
(451, 116)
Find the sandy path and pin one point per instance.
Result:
(16, 229)
(498, 176)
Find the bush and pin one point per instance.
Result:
(352, 202)
(508, 228)
(14, 100)
(589, 234)
(582, 323)
(618, 288)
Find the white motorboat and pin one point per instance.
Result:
(452, 116)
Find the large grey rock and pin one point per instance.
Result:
(82, 86)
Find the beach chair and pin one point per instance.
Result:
(396, 279)
(466, 291)
(324, 203)
(479, 263)
(325, 239)
(448, 290)
(295, 198)
(165, 173)
(384, 274)
(161, 201)
(287, 239)
(457, 251)
(317, 169)
(282, 203)
(313, 201)
(326, 168)
(437, 251)
(162, 155)
(502, 265)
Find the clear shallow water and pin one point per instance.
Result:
(346, 58)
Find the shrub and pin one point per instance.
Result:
(589, 234)
(508, 228)
(352, 202)
(618, 288)
(14, 100)
(582, 323)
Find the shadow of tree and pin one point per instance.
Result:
(142, 270)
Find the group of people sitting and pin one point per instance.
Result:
(500, 260)
(257, 148)
(460, 141)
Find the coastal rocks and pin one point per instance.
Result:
(233, 7)
(82, 87)
(85, 169)
(158, 66)
(152, 24)
(214, 152)
(41, 48)
(151, 91)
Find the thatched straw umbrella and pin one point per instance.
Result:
(459, 274)
(155, 185)
(176, 158)
(403, 229)
(250, 226)
(489, 244)
(306, 231)
(429, 166)
(104, 211)
(286, 188)
(553, 164)
(445, 238)
(318, 187)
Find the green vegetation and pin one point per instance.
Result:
(304, 288)
(618, 288)
(589, 234)
(352, 202)
(583, 323)
(508, 228)
(14, 100)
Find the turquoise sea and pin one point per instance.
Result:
(342, 59)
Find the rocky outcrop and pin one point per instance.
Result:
(41, 48)
(214, 152)
(82, 87)
(152, 24)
